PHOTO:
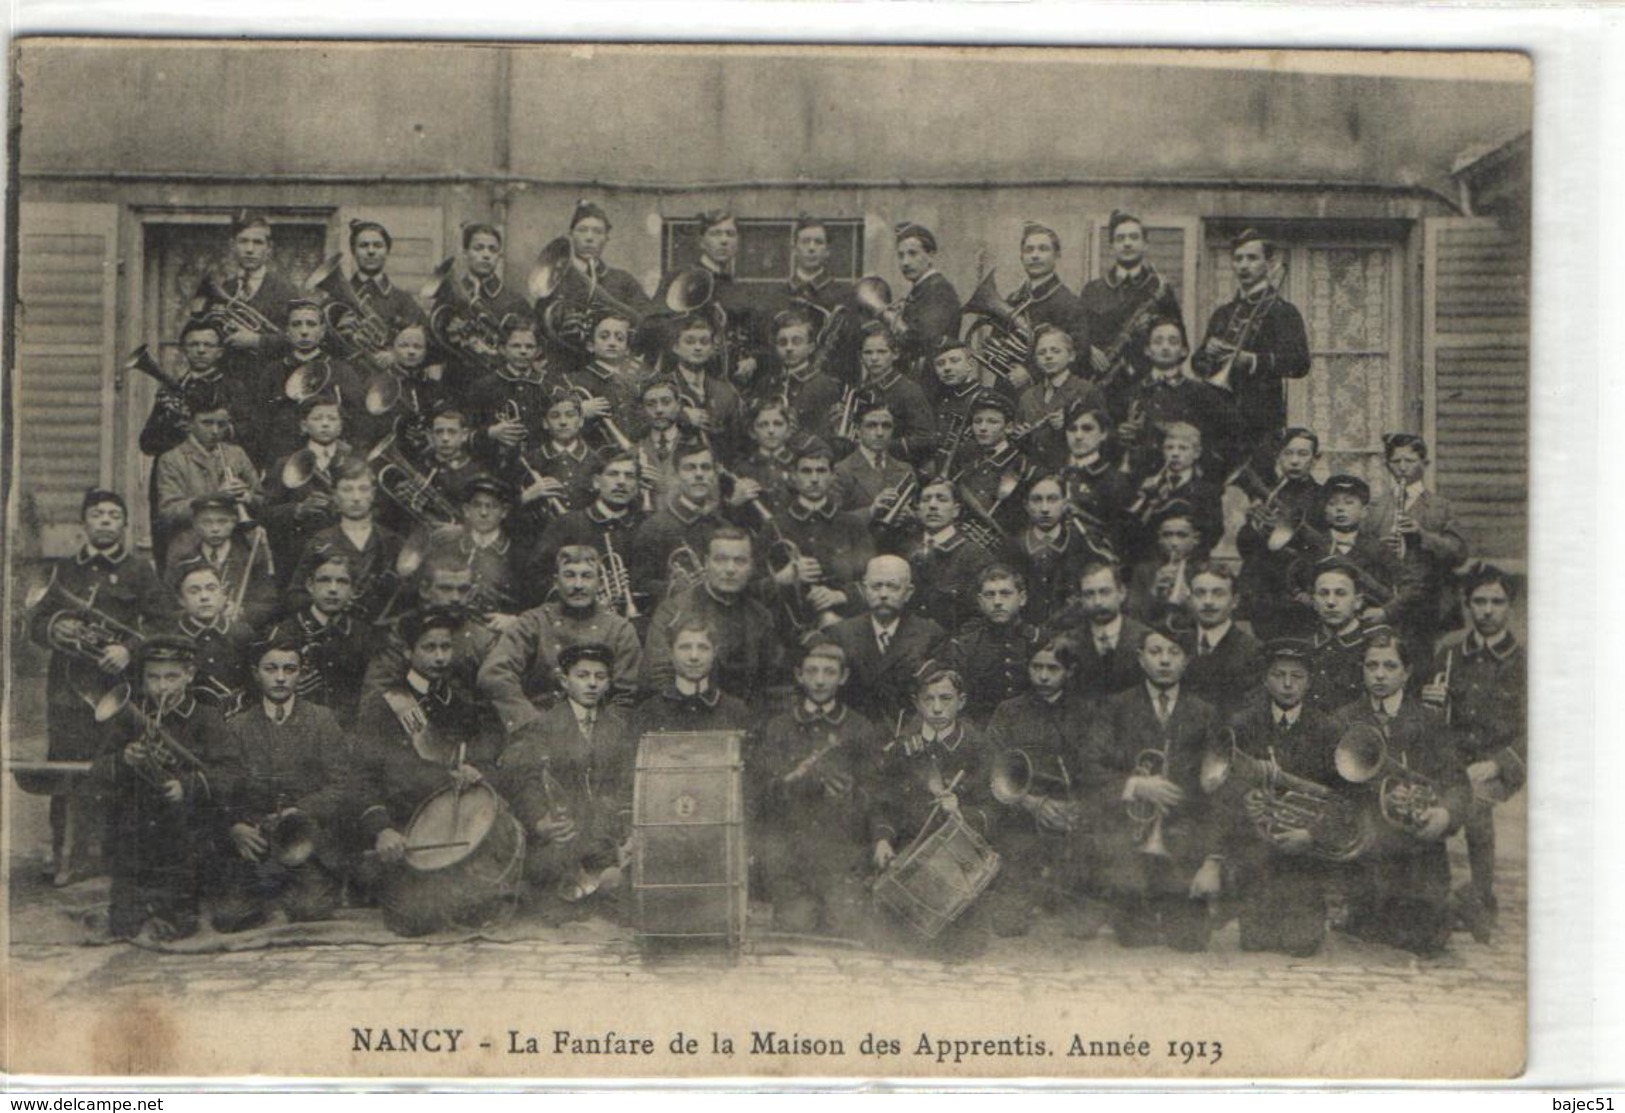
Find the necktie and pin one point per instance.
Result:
(1104, 644)
(1163, 708)
(1204, 647)
(217, 557)
(883, 638)
(1340, 547)
(588, 721)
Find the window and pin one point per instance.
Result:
(765, 248)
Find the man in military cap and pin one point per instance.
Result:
(89, 656)
(1255, 342)
(155, 765)
(930, 310)
(396, 308)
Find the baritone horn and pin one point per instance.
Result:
(227, 312)
(1278, 801)
(1018, 776)
(76, 625)
(409, 488)
(1404, 796)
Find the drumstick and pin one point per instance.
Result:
(435, 846)
(952, 784)
(457, 787)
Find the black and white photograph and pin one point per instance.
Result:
(588, 560)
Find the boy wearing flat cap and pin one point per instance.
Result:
(243, 565)
(992, 469)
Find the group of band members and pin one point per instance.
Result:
(480, 540)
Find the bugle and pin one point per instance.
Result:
(684, 569)
(1404, 796)
(1017, 778)
(227, 312)
(142, 360)
(902, 495)
(1265, 501)
(622, 442)
(1154, 492)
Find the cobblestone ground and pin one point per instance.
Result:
(1472, 975)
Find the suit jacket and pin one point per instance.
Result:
(259, 600)
(1097, 677)
(1281, 343)
(858, 484)
(1126, 726)
(1225, 676)
(555, 766)
(750, 653)
(1304, 748)
(372, 567)
(190, 471)
(882, 685)
(305, 762)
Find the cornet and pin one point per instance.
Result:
(1397, 534)
(1146, 816)
(606, 422)
(1265, 502)
(1153, 493)
(229, 313)
(166, 759)
(615, 589)
(902, 495)
(408, 488)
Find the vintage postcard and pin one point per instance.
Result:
(600, 561)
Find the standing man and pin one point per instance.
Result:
(1120, 306)
(259, 289)
(743, 343)
(1254, 343)
(370, 245)
(1043, 297)
(84, 665)
(481, 298)
(930, 311)
(589, 235)
(810, 281)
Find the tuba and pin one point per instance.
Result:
(410, 489)
(76, 626)
(1008, 343)
(459, 326)
(1278, 801)
(1403, 794)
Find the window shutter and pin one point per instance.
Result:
(1476, 378)
(67, 286)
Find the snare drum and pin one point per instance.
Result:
(930, 885)
(688, 826)
(464, 861)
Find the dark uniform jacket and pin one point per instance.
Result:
(305, 762)
(930, 312)
(395, 306)
(912, 772)
(1159, 402)
(372, 568)
(259, 597)
(915, 437)
(592, 527)
(222, 656)
(788, 796)
(883, 684)
(1111, 302)
(288, 524)
(677, 524)
(1280, 342)
(840, 542)
(993, 661)
(670, 710)
(1336, 668)
(274, 431)
(749, 653)
(497, 393)
(945, 578)
(1043, 398)
(1052, 303)
(1488, 701)
(123, 587)
(1304, 747)
(1265, 582)
(557, 768)
(1055, 738)
(387, 668)
(1051, 566)
(334, 655)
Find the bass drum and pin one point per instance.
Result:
(688, 846)
(465, 855)
(930, 885)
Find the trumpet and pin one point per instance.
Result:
(76, 626)
(1278, 801)
(1153, 493)
(227, 312)
(409, 488)
(846, 422)
(1241, 330)
(1404, 796)
(1397, 534)
(902, 495)
(555, 505)
(615, 588)
(1146, 816)
(808, 620)
(165, 758)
